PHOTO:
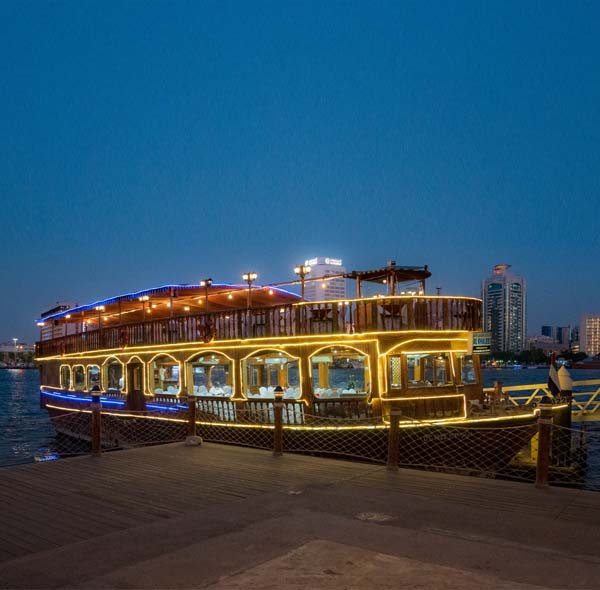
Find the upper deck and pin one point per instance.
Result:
(391, 313)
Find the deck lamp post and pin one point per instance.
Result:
(250, 277)
(206, 283)
(278, 421)
(302, 271)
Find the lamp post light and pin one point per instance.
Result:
(250, 277)
(206, 283)
(302, 271)
(99, 309)
(143, 299)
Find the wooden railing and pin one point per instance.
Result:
(355, 409)
(585, 404)
(335, 317)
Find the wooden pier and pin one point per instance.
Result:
(175, 516)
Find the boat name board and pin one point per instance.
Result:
(480, 343)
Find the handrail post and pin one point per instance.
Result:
(96, 407)
(497, 395)
(192, 439)
(278, 420)
(393, 439)
(544, 443)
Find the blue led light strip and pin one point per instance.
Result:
(107, 401)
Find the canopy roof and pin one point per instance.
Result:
(160, 302)
(178, 300)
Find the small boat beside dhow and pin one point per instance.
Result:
(344, 367)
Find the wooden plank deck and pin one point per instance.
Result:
(52, 504)
(175, 516)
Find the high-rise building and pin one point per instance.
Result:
(575, 335)
(505, 309)
(322, 290)
(563, 335)
(549, 331)
(560, 334)
(589, 334)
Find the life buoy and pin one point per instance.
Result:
(208, 332)
(123, 339)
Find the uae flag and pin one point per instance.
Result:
(553, 384)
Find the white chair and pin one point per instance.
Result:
(158, 390)
(262, 391)
(202, 390)
(172, 390)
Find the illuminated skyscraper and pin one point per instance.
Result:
(589, 334)
(321, 290)
(505, 309)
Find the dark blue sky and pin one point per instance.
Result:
(147, 143)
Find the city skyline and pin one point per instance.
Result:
(147, 145)
(531, 331)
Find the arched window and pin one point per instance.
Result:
(210, 374)
(429, 369)
(113, 375)
(65, 377)
(79, 378)
(164, 375)
(340, 371)
(264, 371)
(465, 368)
(93, 378)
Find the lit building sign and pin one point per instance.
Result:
(330, 261)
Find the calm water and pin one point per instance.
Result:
(25, 430)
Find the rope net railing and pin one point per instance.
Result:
(359, 438)
(129, 429)
(575, 457)
(483, 449)
(247, 428)
(469, 450)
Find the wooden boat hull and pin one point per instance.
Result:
(472, 445)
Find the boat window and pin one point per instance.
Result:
(93, 378)
(79, 377)
(114, 375)
(429, 369)
(395, 372)
(265, 371)
(339, 372)
(211, 374)
(164, 375)
(65, 377)
(465, 368)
